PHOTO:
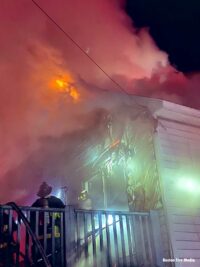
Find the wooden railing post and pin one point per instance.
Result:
(69, 220)
(156, 236)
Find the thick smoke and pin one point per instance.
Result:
(40, 129)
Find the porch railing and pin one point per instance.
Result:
(82, 238)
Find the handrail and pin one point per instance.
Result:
(28, 208)
(113, 212)
(31, 233)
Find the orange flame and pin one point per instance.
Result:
(65, 84)
(60, 83)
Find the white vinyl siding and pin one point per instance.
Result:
(178, 145)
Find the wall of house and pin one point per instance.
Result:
(177, 143)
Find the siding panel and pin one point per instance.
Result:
(178, 145)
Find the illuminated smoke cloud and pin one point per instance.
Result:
(40, 127)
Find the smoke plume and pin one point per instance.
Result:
(42, 129)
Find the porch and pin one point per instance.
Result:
(73, 237)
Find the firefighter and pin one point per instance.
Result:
(85, 200)
(136, 196)
(46, 200)
(139, 198)
(7, 245)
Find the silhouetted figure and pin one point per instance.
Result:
(53, 223)
(136, 196)
(7, 245)
(139, 199)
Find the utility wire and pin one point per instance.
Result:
(77, 45)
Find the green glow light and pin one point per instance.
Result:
(131, 166)
(189, 185)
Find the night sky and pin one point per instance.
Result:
(174, 25)
(150, 48)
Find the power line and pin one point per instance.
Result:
(77, 45)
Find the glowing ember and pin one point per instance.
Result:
(115, 143)
(66, 84)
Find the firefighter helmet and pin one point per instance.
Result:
(44, 190)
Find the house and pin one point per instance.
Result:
(149, 158)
